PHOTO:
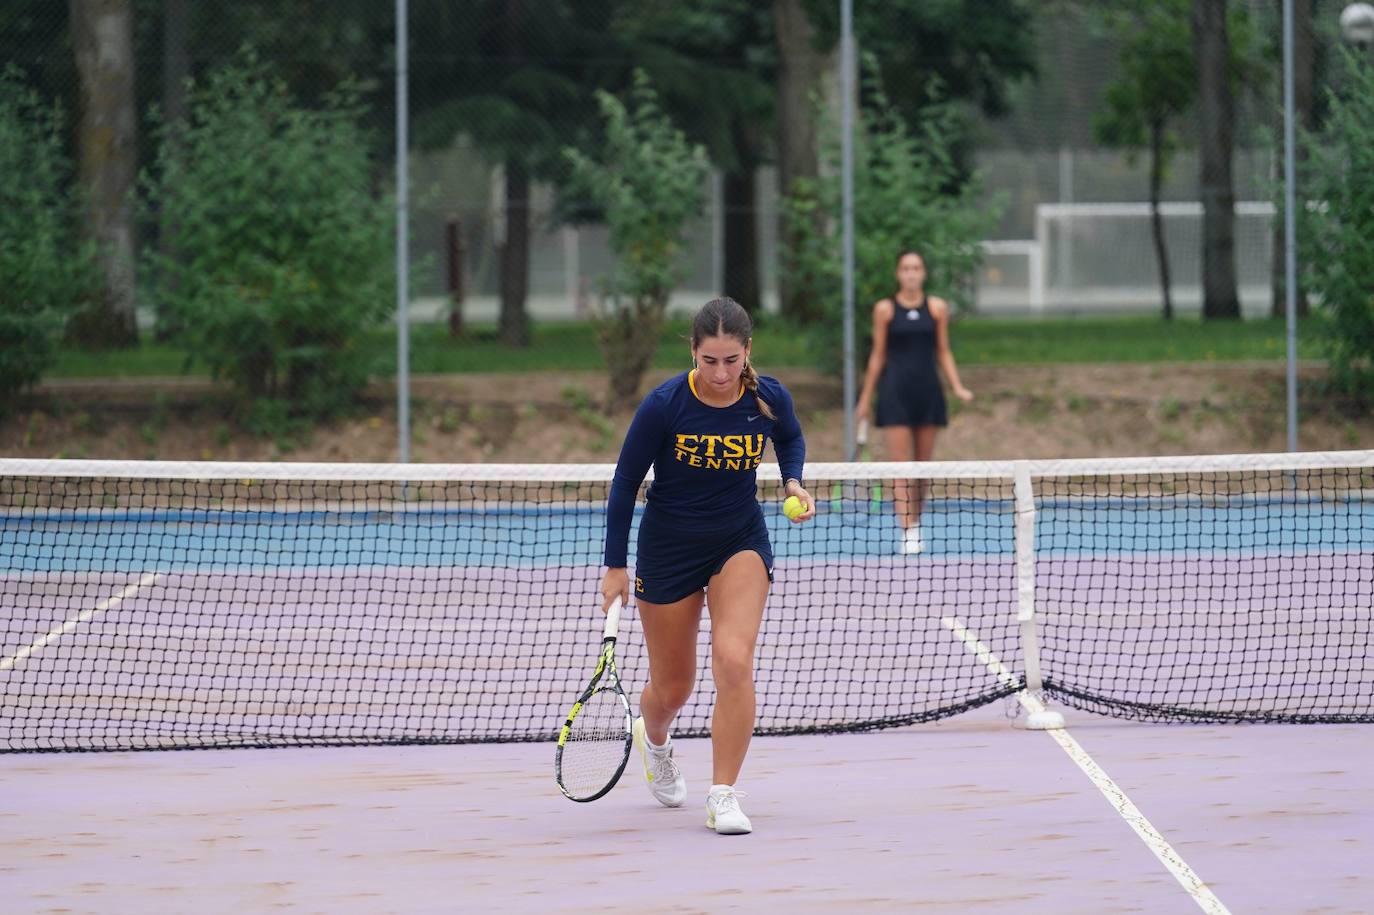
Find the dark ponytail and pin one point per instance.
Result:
(724, 317)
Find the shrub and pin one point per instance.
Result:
(281, 255)
(908, 194)
(1335, 237)
(648, 182)
(45, 271)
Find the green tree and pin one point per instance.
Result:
(959, 50)
(647, 180)
(908, 193)
(517, 78)
(45, 272)
(742, 78)
(713, 64)
(1336, 255)
(1154, 87)
(284, 256)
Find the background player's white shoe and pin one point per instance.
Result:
(665, 779)
(912, 542)
(723, 813)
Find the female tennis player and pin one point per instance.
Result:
(702, 541)
(910, 338)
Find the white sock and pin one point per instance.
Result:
(720, 789)
(655, 748)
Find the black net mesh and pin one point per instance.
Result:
(157, 613)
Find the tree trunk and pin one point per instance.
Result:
(102, 38)
(1303, 50)
(1211, 47)
(1156, 220)
(629, 339)
(457, 287)
(514, 327)
(801, 68)
(741, 239)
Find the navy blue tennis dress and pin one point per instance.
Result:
(702, 507)
(909, 392)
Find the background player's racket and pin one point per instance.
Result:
(853, 490)
(594, 743)
(875, 492)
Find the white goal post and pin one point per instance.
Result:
(1100, 257)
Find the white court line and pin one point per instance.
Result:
(83, 616)
(1152, 838)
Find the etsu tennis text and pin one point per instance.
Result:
(720, 452)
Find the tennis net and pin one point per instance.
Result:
(179, 605)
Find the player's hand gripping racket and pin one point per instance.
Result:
(594, 744)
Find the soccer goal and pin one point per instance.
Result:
(1100, 258)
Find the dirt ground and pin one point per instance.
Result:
(1036, 411)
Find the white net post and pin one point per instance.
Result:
(1039, 718)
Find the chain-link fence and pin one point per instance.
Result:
(228, 167)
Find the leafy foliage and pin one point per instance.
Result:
(1156, 81)
(45, 272)
(908, 194)
(648, 181)
(1336, 254)
(516, 78)
(713, 64)
(283, 252)
(966, 50)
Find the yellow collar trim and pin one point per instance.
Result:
(692, 383)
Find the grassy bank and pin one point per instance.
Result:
(572, 346)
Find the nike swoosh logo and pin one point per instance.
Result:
(754, 417)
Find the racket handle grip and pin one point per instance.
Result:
(612, 620)
(862, 434)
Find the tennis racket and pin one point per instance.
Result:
(594, 743)
(853, 490)
(840, 492)
(875, 492)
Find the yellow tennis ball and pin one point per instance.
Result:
(793, 508)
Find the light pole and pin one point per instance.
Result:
(1357, 25)
(1290, 241)
(847, 92)
(402, 235)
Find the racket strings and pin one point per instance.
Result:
(595, 748)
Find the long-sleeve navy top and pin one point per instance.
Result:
(705, 459)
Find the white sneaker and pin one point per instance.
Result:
(912, 542)
(665, 779)
(723, 813)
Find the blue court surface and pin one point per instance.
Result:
(210, 540)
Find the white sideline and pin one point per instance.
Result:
(85, 615)
(1191, 882)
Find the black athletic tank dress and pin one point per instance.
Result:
(909, 392)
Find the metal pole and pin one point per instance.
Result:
(847, 212)
(402, 235)
(1290, 237)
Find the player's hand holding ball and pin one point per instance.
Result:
(798, 506)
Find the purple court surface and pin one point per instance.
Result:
(971, 814)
